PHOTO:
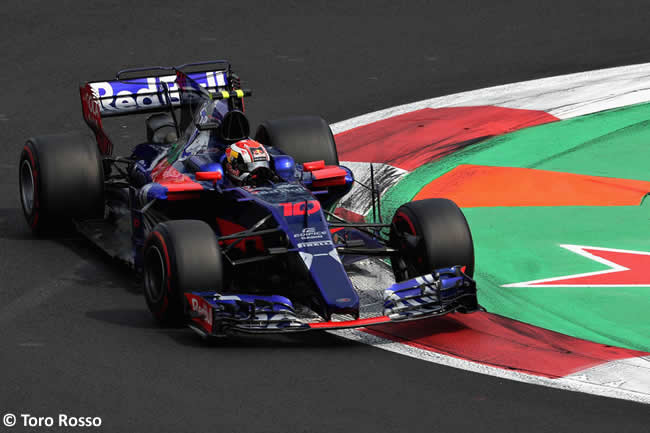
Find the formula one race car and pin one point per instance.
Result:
(233, 233)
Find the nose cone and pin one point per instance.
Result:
(336, 290)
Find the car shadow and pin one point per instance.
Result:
(130, 317)
(301, 340)
(13, 226)
(114, 274)
(140, 318)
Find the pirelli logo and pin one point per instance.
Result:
(314, 244)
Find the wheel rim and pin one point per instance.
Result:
(404, 268)
(154, 275)
(400, 269)
(27, 187)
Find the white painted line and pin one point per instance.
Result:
(580, 249)
(564, 96)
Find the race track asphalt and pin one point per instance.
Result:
(75, 332)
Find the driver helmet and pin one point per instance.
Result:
(245, 157)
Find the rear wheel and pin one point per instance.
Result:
(430, 234)
(307, 138)
(179, 256)
(60, 177)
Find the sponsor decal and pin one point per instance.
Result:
(259, 154)
(145, 93)
(311, 233)
(90, 107)
(315, 244)
(203, 308)
(92, 115)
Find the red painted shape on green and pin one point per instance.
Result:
(472, 185)
(410, 140)
(504, 343)
(630, 269)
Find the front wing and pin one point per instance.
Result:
(441, 292)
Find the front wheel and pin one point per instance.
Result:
(179, 256)
(430, 234)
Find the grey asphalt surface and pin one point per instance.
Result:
(75, 332)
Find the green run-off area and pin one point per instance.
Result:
(522, 244)
(517, 244)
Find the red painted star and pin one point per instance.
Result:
(626, 268)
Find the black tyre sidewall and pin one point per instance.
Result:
(169, 309)
(192, 263)
(68, 180)
(445, 237)
(306, 138)
(34, 217)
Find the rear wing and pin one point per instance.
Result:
(146, 93)
(151, 89)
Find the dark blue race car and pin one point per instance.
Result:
(233, 233)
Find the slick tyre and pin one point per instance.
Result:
(179, 256)
(307, 138)
(60, 177)
(430, 234)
